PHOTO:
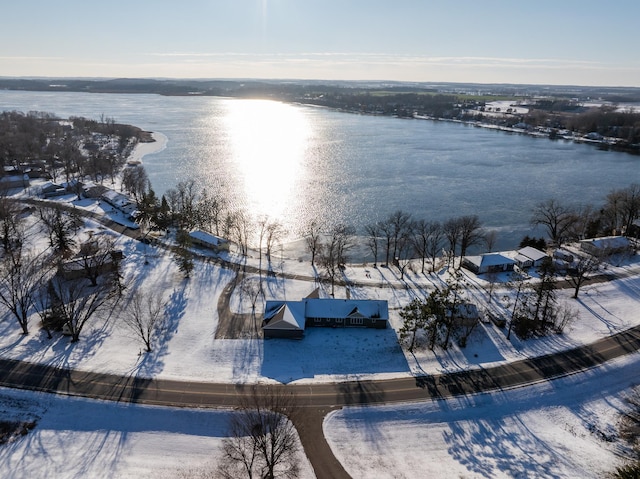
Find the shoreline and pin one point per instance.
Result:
(142, 149)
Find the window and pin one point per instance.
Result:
(357, 321)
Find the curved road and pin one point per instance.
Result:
(316, 400)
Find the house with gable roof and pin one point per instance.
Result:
(529, 256)
(288, 319)
(606, 245)
(488, 263)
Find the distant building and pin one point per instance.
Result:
(288, 319)
(14, 181)
(209, 241)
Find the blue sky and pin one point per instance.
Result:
(487, 41)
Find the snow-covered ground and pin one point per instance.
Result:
(565, 428)
(82, 438)
(522, 428)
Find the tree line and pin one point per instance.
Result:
(57, 148)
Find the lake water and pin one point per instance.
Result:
(295, 163)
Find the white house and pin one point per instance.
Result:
(119, 201)
(605, 245)
(529, 256)
(488, 263)
(209, 241)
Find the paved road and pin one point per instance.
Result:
(317, 399)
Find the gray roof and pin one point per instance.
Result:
(345, 308)
(532, 253)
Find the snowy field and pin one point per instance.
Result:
(533, 432)
(86, 439)
(560, 429)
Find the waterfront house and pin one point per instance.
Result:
(606, 245)
(488, 263)
(529, 256)
(120, 202)
(209, 241)
(288, 319)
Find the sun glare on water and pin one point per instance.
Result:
(268, 140)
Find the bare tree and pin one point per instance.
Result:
(252, 288)
(242, 229)
(312, 234)
(21, 274)
(135, 181)
(434, 242)
(262, 442)
(490, 239)
(78, 303)
(210, 210)
(333, 257)
(470, 233)
(373, 240)
(269, 233)
(516, 282)
(275, 233)
(187, 196)
(579, 271)
(400, 223)
(60, 228)
(97, 256)
(404, 250)
(9, 223)
(386, 232)
(452, 231)
(556, 218)
(630, 205)
(420, 240)
(143, 315)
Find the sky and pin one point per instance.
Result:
(562, 42)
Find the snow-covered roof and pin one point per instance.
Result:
(532, 253)
(345, 308)
(607, 242)
(489, 259)
(116, 199)
(208, 238)
(522, 259)
(284, 315)
(293, 314)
